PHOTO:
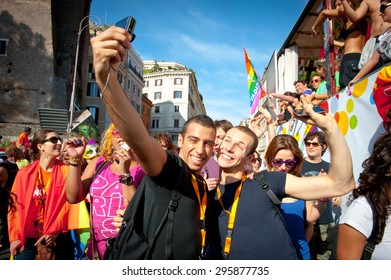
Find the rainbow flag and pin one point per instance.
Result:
(79, 223)
(254, 84)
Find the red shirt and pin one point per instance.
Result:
(23, 139)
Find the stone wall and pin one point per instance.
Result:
(12, 131)
(38, 71)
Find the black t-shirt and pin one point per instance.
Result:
(186, 226)
(309, 169)
(259, 233)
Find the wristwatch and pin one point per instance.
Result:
(126, 179)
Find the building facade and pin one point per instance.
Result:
(173, 90)
(37, 55)
(38, 41)
(146, 111)
(130, 76)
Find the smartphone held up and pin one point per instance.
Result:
(304, 114)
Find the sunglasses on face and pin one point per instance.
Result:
(314, 144)
(53, 140)
(255, 160)
(315, 81)
(384, 7)
(115, 133)
(288, 163)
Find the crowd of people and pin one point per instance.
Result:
(362, 46)
(214, 197)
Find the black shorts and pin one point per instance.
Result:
(349, 68)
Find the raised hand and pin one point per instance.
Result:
(255, 125)
(320, 120)
(109, 49)
(265, 113)
(123, 158)
(75, 147)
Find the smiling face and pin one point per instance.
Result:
(299, 87)
(196, 145)
(315, 81)
(49, 147)
(234, 150)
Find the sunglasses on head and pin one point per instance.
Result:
(314, 144)
(384, 7)
(288, 163)
(115, 133)
(315, 81)
(53, 139)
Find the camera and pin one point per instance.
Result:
(128, 23)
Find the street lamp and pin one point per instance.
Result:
(71, 106)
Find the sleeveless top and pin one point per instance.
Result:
(106, 197)
(293, 213)
(361, 26)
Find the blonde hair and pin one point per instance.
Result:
(106, 146)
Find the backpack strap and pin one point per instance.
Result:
(259, 177)
(170, 224)
(371, 244)
(169, 219)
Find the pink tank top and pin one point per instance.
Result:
(106, 198)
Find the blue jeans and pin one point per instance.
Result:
(29, 251)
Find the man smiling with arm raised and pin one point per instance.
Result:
(255, 230)
(164, 171)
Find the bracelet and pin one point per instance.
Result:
(74, 159)
(73, 164)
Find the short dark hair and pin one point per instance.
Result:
(321, 138)
(27, 129)
(304, 82)
(203, 120)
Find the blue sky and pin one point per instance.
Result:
(209, 36)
